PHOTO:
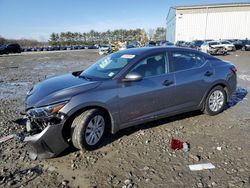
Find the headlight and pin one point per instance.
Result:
(46, 111)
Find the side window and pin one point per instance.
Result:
(152, 66)
(182, 60)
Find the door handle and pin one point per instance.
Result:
(168, 82)
(208, 73)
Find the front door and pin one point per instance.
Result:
(149, 97)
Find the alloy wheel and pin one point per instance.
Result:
(216, 101)
(94, 130)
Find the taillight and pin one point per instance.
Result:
(233, 68)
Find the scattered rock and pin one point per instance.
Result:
(51, 169)
(200, 185)
(218, 148)
(214, 183)
(127, 182)
(65, 184)
(194, 157)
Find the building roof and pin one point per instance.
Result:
(204, 6)
(213, 5)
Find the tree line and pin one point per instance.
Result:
(22, 42)
(95, 37)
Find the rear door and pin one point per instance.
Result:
(193, 74)
(149, 97)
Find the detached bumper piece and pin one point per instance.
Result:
(46, 144)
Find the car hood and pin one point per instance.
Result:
(58, 89)
(217, 46)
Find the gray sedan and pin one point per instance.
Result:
(123, 89)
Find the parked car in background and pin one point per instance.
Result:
(135, 44)
(123, 47)
(245, 45)
(123, 89)
(105, 49)
(168, 44)
(180, 43)
(3, 50)
(93, 46)
(27, 49)
(114, 47)
(150, 44)
(82, 47)
(238, 44)
(228, 45)
(63, 48)
(13, 48)
(39, 49)
(186, 44)
(196, 44)
(55, 48)
(161, 42)
(213, 48)
(69, 48)
(130, 44)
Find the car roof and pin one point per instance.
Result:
(143, 50)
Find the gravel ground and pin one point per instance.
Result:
(135, 157)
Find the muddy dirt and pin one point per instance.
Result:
(136, 157)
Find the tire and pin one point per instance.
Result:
(84, 125)
(215, 101)
(243, 48)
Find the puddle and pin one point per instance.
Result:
(238, 95)
(13, 90)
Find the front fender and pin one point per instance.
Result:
(105, 101)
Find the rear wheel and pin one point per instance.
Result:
(216, 101)
(88, 129)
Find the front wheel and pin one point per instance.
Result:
(215, 101)
(88, 129)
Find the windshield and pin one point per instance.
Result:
(199, 42)
(107, 67)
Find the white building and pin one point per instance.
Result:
(215, 21)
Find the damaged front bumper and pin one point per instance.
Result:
(217, 51)
(47, 143)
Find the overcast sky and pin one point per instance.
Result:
(38, 19)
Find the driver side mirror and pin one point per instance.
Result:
(132, 77)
